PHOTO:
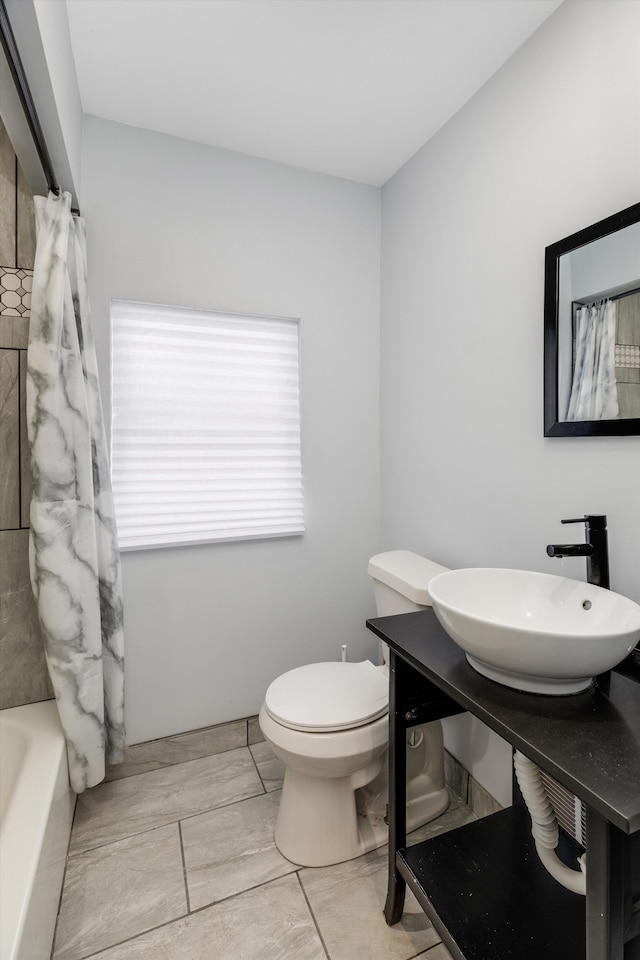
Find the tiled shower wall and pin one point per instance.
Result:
(628, 355)
(23, 673)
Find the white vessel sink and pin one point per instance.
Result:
(535, 631)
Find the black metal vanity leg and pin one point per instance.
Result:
(397, 812)
(605, 889)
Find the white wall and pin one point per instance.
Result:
(548, 146)
(611, 263)
(208, 627)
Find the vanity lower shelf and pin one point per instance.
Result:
(489, 896)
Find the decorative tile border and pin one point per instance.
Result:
(15, 292)
(627, 355)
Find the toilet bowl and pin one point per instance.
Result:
(328, 723)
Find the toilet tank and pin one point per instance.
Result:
(401, 581)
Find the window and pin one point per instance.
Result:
(205, 426)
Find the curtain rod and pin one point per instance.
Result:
(22, 86)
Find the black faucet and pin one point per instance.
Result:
(595, 549)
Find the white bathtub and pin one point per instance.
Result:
(36, 809)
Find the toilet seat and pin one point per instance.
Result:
(325, 697)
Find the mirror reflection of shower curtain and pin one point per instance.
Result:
(594, 394)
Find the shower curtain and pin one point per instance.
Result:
(73, 552)
(594, 394)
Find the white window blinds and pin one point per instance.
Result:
(205, 426)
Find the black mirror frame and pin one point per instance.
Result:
(578, 428)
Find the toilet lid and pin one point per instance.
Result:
(328, 696)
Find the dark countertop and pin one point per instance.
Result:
(590, 742)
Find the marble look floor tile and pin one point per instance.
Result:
(456, 777)
(120, 890)
(480, 800)
(271, 922)
(122, 808)
(155, 754)
(254, 731)
(456, 814)
(232, 849)
(270, 768)
(439, 952)
(347, 901)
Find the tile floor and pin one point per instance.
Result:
(179, 863)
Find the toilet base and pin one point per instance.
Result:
(344, 818)
(332, 831)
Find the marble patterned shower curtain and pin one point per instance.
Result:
(74, 558)
(594, 392)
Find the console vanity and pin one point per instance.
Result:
(482, 885)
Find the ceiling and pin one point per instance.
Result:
(351, 88)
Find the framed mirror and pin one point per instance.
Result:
(592, 330)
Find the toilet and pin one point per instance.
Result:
(328, 723)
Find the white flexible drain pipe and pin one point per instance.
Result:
(544, 826)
